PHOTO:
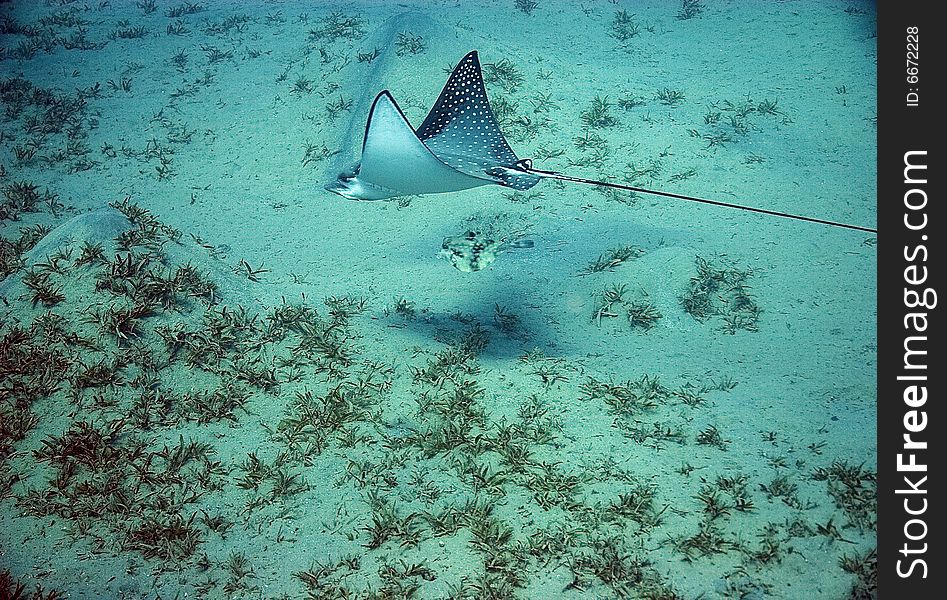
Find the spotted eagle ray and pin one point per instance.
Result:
(459, 146)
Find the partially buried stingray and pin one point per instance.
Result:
(460, 146)
(473, 251)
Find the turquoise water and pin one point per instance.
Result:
(220, 380)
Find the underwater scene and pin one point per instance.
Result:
(257, 344)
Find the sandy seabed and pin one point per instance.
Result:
(220, 380)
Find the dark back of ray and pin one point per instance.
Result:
(462, 131)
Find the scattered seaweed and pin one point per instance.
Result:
(503, 73)
(710, 436)
(609, 297)
(334, 108)
(526, 6)
(408, 43)
(623, 26)
(629, 100)
(126, 32)
(670, 97)
(865, 569)
(14, 589)
(854, 490)
(722, 291)
(181, 10)
(689, 9)
(642, 314)
(338, 26)
(368, 57)
(627, 399)
(302, 85)
(598, 114)
(612, 258)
